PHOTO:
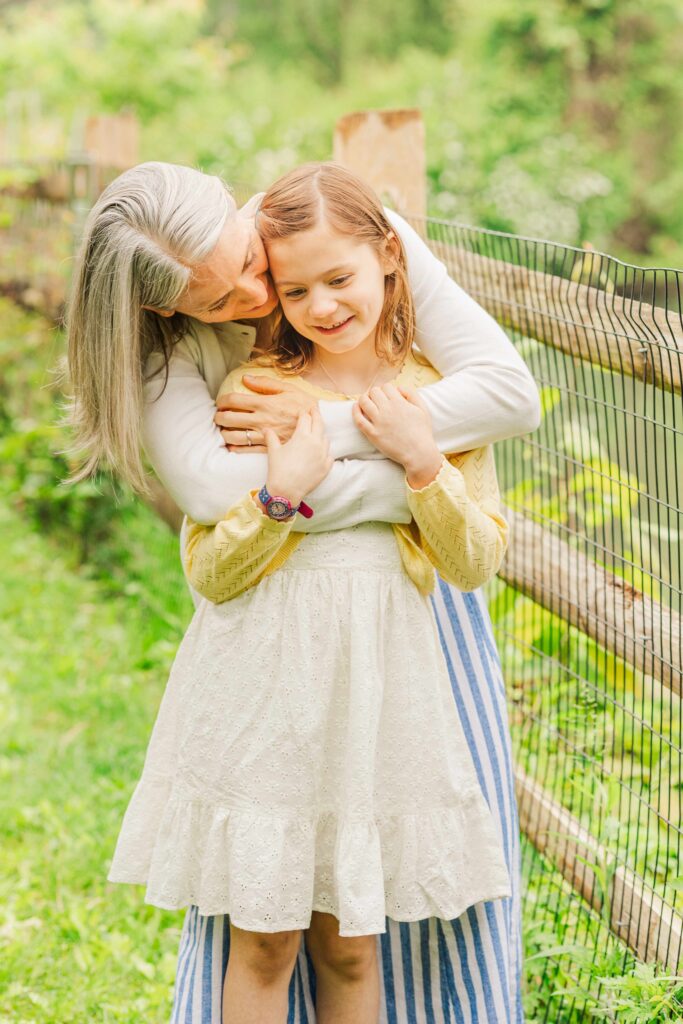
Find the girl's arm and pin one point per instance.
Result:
(487, 393)
(462, 531)
(186, 450)
(455, 503)
(224, 560)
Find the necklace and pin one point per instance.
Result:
(340, 390)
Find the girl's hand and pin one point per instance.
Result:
(398, 423)
(297, 467)
(275, 405)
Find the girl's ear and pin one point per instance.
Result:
(390, 255)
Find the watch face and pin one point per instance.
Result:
(279, 510)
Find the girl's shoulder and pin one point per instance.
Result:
(255, 368)
(417, 370)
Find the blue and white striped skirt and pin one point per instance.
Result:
(465, 971)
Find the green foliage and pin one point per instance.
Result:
(331, 36)
(148, 57)
(577, 969)
(33, 467)
(555, 120)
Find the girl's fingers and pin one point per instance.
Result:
(271, 439)
(367, 406)
(303, 423)
(378, 395)
(410, 395)
(317, 422)
(360, 419)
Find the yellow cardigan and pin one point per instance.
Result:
(456, 527)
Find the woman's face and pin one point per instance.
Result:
(233, 283)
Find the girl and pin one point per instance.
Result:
(318, 777)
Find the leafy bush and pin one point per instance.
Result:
(32, 470)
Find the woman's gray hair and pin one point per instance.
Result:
(144, 237)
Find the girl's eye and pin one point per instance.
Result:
(341, 280)
(296, 293)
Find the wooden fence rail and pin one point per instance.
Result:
(585, 322)
(648, 925)
(621, 619)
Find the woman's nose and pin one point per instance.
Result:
(255, 289)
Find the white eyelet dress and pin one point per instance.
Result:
(308, 755)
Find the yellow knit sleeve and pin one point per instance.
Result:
(458, 515)
(224, 560)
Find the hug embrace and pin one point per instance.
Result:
(328, 784)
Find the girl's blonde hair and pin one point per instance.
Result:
(297, 202)
(144, 236)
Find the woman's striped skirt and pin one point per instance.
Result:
(465, 971)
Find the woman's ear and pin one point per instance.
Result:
(392, 249)
(160, 312)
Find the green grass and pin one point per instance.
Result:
(82, 671)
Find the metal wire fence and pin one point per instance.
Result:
(588, 606)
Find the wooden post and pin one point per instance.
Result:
(386, 148)
(111, 141)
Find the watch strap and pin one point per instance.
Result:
(268, 500)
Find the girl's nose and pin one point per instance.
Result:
(322, 305)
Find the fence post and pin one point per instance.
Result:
(387, 149)
(111, 142)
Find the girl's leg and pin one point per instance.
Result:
(347, 979)
(258, 976)
(202, 965)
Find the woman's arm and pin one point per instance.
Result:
(462, 531)
(487, 393)
(186, 450)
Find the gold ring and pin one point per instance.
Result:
(249, 441)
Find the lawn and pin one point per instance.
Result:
(82, 670)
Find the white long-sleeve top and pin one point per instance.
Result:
(487, 394)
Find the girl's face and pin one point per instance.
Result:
(331, 286)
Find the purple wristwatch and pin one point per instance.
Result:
(280, 508)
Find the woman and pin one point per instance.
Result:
(169, 272)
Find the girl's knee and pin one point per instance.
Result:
(349, 956)
(265, 953)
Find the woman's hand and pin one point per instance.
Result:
(274, 405)
(398, 423)
(297, 467)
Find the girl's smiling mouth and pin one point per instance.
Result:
(334, 328)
